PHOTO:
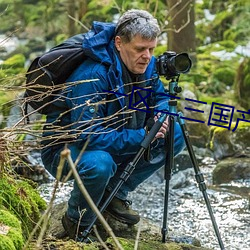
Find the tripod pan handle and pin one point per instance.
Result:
(153, 131)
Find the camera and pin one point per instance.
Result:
(171, 65)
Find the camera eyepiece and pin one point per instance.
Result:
(170, 64)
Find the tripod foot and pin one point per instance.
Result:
(164, 232)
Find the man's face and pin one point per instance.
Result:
(137, 53)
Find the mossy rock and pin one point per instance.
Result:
(21, 199)
(11, 237)
(150, 235)
(225, 143)
(128, 244)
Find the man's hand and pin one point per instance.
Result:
(164, 128)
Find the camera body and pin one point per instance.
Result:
(171, 65)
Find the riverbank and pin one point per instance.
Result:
(188, 216)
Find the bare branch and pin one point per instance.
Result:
(66, 154)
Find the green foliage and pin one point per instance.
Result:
(211, 98)
(242, 84)
(229, 23)
(216, 67)
(160, 49)
(224, 75)
(221, 23)
(60, 38)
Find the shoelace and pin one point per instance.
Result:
(127, 203)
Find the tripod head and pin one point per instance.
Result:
(172, 92)
(174, 89)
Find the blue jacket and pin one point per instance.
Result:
(96, 107)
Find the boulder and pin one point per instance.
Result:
(232, 152)
(231, 169)
(197, 130)
(226, 143)
(149, 238)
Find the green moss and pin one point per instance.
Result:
(6, 243)
(223, 135)
(225, 75)
(13, 71)
(160, 49)
(242, 84)
(61, 38)
(16, 61)
(128, 244)
(13, 239)
(16, 237)
(242, 125)
(21, 199)
(228, 45)
(9, 219)
(91, 247)
(219, 133)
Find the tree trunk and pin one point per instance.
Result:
(83, 7)
(71, 6)
(181, 27)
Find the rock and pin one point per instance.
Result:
(181, 179)
(149, 237)
(231, 169)
(225, 143)
(198, 131)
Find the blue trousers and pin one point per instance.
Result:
(100, 170)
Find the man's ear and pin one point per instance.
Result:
(118, 42)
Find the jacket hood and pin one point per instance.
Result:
(98, 42)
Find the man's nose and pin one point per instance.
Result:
(146, 54)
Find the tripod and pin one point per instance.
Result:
(169, 163)
(173, 90)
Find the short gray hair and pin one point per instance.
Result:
(137, 22)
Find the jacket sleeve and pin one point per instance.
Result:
(88, 114)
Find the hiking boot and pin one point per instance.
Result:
(121, 211)
(75, 231)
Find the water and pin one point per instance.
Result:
(187, 212)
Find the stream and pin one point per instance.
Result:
(187, 212)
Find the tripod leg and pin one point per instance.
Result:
(200, 179)
(168, 173)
